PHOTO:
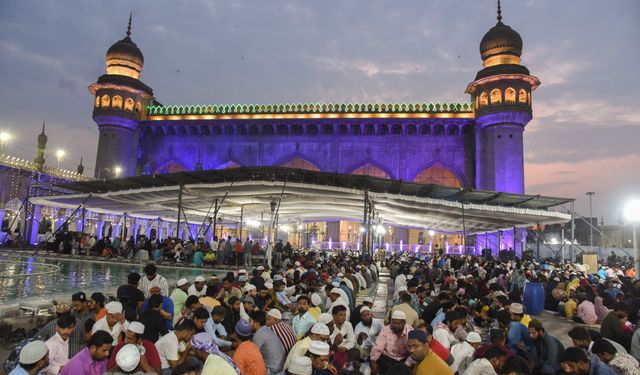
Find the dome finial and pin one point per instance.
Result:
(499, 13)
(43, 127)
(129, 26)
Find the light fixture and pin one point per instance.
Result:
(117, 170)
(432, 232)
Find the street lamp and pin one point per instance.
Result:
(4, 138)
(117, 170)
(590, 194)
(632, 215)
(59, 155)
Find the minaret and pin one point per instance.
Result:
(80, 167)
(501, 94)
(42, 143)
(120, 102)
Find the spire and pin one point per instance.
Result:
(80, 167)
(499, 14)
(129, 26)
(42, 127)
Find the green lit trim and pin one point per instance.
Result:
(251, 109)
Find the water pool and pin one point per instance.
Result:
(45, 277)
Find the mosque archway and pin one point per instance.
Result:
(300, 163)
(439, 175)
(372, 170)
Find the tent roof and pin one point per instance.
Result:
(308, 196)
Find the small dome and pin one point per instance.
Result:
(124, 57)
(500, 40)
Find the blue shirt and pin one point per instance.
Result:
(19, 371)
(167, 305)
(198, 258)
(216, 330)
(596, 368)
(517, 333)
(301, 324)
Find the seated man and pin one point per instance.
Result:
(391, 345)
(576, 361)
(546, 350)
(621, 363)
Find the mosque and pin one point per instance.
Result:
(476, 144)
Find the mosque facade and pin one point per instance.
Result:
(475, 144)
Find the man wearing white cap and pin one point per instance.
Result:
(463, 352)
(33, 357)
(391, 346)
(127, 361)
(284, 331)
(199, 288)
(113, 323)
(319, 332)
(150, 359)
(367, 331)
(179, 297)
(319, 354)
(300, 366)
(336, 299)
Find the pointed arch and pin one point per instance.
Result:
(116, 102)
(438, 174)
(510, 95)
(128, 104)
(370, 167)
(106, 100)
(298, 161)
(171, 167)
(229, 164)
(496, 96)
(522, 96)
(484, 99)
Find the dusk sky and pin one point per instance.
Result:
(585, 135)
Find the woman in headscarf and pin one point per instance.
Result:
(215, 362)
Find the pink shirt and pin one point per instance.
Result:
(58, 354)
(587, 312)
(83, 364)
(391, 345)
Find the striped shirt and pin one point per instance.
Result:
(159, 281)
(286, 334)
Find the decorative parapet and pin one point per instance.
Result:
(279, 109)
(26, 165)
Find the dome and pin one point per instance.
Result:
(501, 44)
(124, 57)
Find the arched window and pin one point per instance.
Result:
(253, 130)
(355, 129)
(484, 99)
(426, 129)
(128, 104)
(369, 129)
(228, 130)
(510, 95)
(383, 129)
(138, 107)
(242, 130)
(371, 170)
(327, 129)
(182, 130)
(106, 101)
(283, 129)
(97, 101)
(312, 129)
(439, 175)
(228, 165)
(522, 96)
(496, 96)
(116, 102)
(299, 163)
(396, 129)
(343, 129)
(411, 129)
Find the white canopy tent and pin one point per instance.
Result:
(307, 196)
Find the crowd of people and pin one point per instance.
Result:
(319, 313)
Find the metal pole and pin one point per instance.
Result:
(241, 216)
(538, 240)
(464, 230)
(215, 220)
(179, 210)
(636, 251)
(590, 194)
(573, 234)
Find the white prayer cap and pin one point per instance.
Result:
(241, 271)
(199, 279)
(296, 263)
(364, 308)
(400, 315)
(277, 277)
(319, 348)
(340, 274)
(300, 365)
(33, 352)
(128, 357)
(114, 307)
(249, 287)
(260, 268)
(275, 313)
(316, 299)
(136, 327)
(182, 282)
(473, 338)
(320, 329)
(325, 318)
(268, 285)
(516, 308)
(402, 288)
(335, 284)
(368, 299)
(409, 277)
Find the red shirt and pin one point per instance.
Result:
(151, 353)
